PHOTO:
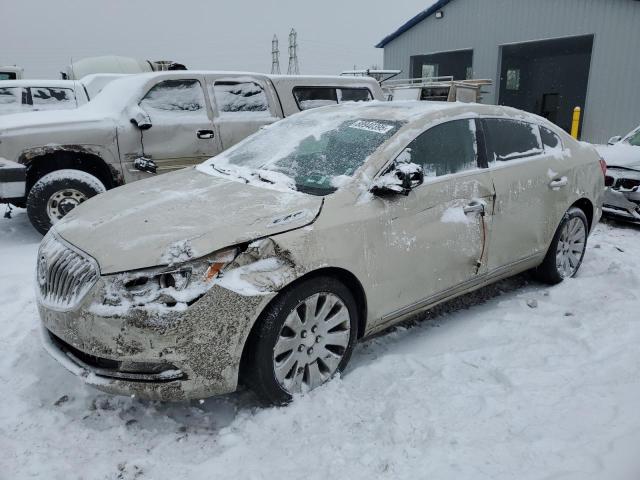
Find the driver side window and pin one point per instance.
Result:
(174, 97)
(446, 148)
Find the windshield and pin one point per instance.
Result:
(634, 138)
(313, 154)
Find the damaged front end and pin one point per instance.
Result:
(169, 333)
(622, 197)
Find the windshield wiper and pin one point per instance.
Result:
(229, 173)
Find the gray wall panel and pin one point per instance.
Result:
(613, 95)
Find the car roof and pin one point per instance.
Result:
(38, 83)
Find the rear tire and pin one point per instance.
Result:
(57, 193)
(567, 248)
(287, 356)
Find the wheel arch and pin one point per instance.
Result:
(345, 276)
(587, 208)
(42, 161)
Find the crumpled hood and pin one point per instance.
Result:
(139, 225)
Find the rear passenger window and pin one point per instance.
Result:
(446, 148)
(354, 95)
(550, 140)
(511, 139)
(175, 96)
(233, 97)
(45, 98)
(313, 97)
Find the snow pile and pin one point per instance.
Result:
(489, 388)
(455, 215)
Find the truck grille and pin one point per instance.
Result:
(64, 275)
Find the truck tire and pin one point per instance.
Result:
(57, 193)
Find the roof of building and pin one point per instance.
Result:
(412, 22)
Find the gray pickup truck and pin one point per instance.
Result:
(146, 124)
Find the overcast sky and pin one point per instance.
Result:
(333, 35)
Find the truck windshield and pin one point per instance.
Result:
(312, 154)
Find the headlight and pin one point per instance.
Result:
(169, 286)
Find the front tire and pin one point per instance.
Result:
(567, 248)
(305, 337)
(57, 193)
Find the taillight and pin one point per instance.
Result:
(603, 167)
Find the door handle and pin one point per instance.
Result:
(559, 183)
(205, 134)
(473, 207)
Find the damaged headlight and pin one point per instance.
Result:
(168, 286)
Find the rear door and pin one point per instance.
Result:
(182, 131)
(242, 106)
(531, 189)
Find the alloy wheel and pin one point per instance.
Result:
(311, 343)
(571, 245)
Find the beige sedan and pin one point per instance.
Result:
(266, 264)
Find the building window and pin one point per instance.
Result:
(513, 79)
(429, 70)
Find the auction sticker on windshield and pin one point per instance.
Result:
(371, 126)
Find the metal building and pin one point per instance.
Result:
(544, 56)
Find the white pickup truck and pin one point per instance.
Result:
(145, 124)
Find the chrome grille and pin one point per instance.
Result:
(64, 275)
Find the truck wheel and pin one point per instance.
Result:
(57, 193)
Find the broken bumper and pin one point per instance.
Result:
(12, 180)
(624, 204)
(191, 354)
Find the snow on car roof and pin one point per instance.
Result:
(38, 83)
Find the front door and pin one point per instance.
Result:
(182, 131)
(435, 238)
(531, 189)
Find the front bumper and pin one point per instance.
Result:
(12, 180)
(177, 355)
(622, 203)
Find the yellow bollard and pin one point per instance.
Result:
(576, 122)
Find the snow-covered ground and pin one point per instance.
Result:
(520, 381)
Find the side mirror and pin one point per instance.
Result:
(140, 118)
(401, 178)
(614, 140)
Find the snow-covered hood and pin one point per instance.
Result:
(51, 120)
(140, 224)
(620, 155)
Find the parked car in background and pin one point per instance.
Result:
(115, 64)
(145, 124)
(267, 263)
(622, 155)
(11, 72)
(20, 96)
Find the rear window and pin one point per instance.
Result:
(511, 139)
(46, 98)
(233, 97)
(313, 97)
(550, 140)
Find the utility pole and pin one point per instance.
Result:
(294, 68)
(275, 56)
